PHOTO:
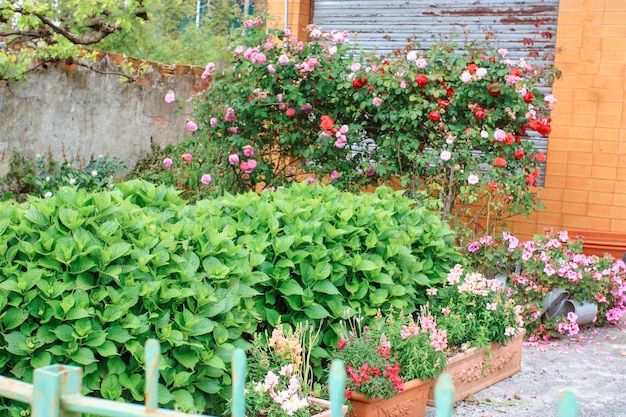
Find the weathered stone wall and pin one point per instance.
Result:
(72, 112)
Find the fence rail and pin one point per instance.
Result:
(55, 392)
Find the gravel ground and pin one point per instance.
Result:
(592, 365)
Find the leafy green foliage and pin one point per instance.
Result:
(87, 278)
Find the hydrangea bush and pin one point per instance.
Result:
(448, 122)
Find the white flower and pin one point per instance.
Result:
(480, 73)
(445, 155)
(411, 56)
(48, 194)
(94, 173)
(466, 77)
(72, 181)
(472, 179)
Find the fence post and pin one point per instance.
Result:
(567, 404)
(238, 408)
(336, 387)
(71, 384)
(151, 359)
(47, 392)
(444, 396)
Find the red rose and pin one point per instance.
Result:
(444, 104)
(494, 89)
(479, 114)
(421, 80)
(523, 129)
(509, 139)
(359, 82)
(492, 59)
(519, 154)
(434, 116)
(472, 67)
(516, 72)
(493, 186)
(327, 122)
(530, 179)
(533, 124)
(290, 112)
(529, 97)
(499, 162)
(541, 157)
(544, 129)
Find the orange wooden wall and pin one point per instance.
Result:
(585, 186)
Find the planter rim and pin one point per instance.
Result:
(458, 355)
(414, 383)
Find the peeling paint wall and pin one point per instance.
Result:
(72, 112)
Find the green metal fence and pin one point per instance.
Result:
(56, 392)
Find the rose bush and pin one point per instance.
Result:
(449, 122)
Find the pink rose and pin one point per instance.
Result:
(206, 179)
(248, 151)
(233, 159)
(213, 122)
(170, 97)
(167, 162)
(187, 157)
(191, 126)
(290, 112)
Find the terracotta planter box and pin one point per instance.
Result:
(473, 371)
(326, 406)
(409, 403)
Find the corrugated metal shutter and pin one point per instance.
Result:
(385, 26)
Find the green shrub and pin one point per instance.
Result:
(88, 278)
(329, 255)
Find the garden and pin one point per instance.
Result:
(327, 204)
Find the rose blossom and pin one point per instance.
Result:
(411, 56)
(187, 157)
(472, 179)
(206, 179)
(170, 97)
(499, 135)
(191, 126)
(291, 112)
(445, 155)
(271, 69)
(283, 60)
(377, 101)
(355, 67)
(480, 73)
(466, 77)
(334, 175)
(167, 162)
(213, 122)
(421, 63)
(248, 151)
(233, 159)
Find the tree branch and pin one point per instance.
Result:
(102, 30)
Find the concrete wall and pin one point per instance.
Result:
(71, 112)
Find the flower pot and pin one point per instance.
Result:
(473, 370)
(409, 403)
(326, 406)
